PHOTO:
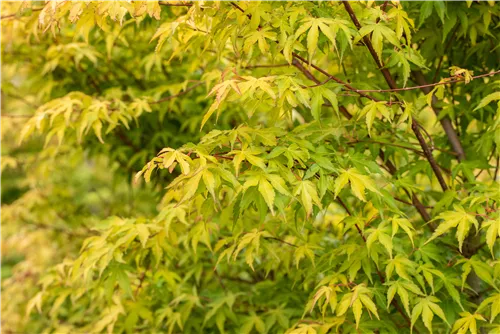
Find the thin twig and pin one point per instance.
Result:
(15, 14)
(406, 202)
(445, 121)
(265, 66)
(382, 8)
(414, 125)
(495, 176)
(61, 229)
(129, 73)
(390, 166)
(282, 241)
(301, 68)
(392, 84)
(16, 116)
(381, 277)
(164, 3)
(223, 286)
(141, 280)
(178, 94)
(356, 225)
(444, 52)
(21, 98)
(127, 141)
(452, 80)
(234, 4)
(388, 144)
(346, 85)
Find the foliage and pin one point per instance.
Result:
(250, 167)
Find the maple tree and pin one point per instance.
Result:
(250, 167)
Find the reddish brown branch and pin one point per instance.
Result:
(388, 144)
(346, 85)
(265, 66)
(426, 85)
(235, 5)
(16, 116)
(445, 121)
(282, 241)
(380, 275)
(382, 8)
(308, 74)
(390, 166)
(357, 226)
(408, 203)
(141, 280)
(15, 14)
(495, 176)
(164, 3)
(444, 52)
(178, 94)
(429, 156)
(392, 84)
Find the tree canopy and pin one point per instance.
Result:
(250, 167)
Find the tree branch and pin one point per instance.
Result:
(266, 66)
(380, 275)
(390, 166)
(282, 241)
(16, 116)
(346, 85)
(388, 144)
(445, 121)
(178, 94)
(141, 280)
(392, 84)
(165, 3)
(423, 84)
(444, 52)
(495, 176)
(15, 14)
(356, 225)
(21, 98)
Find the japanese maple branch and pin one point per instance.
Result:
(265, 66)
(16, 116)
(318, 83)
(129, 73)
(445, 121)
(282, 241)
(380, 275)
(311, 77)
(408, 203)
(390, 166)
(392, 84)
(235, 5)
(345, 84)
(21, 98)
(356, 225)
(124, 139)
(447, 46)
(60, 229)
(356, 141)
(495, 176)
(178, 94)
(141, 281)
(451, 80)
(15, 14)
(164, 3)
